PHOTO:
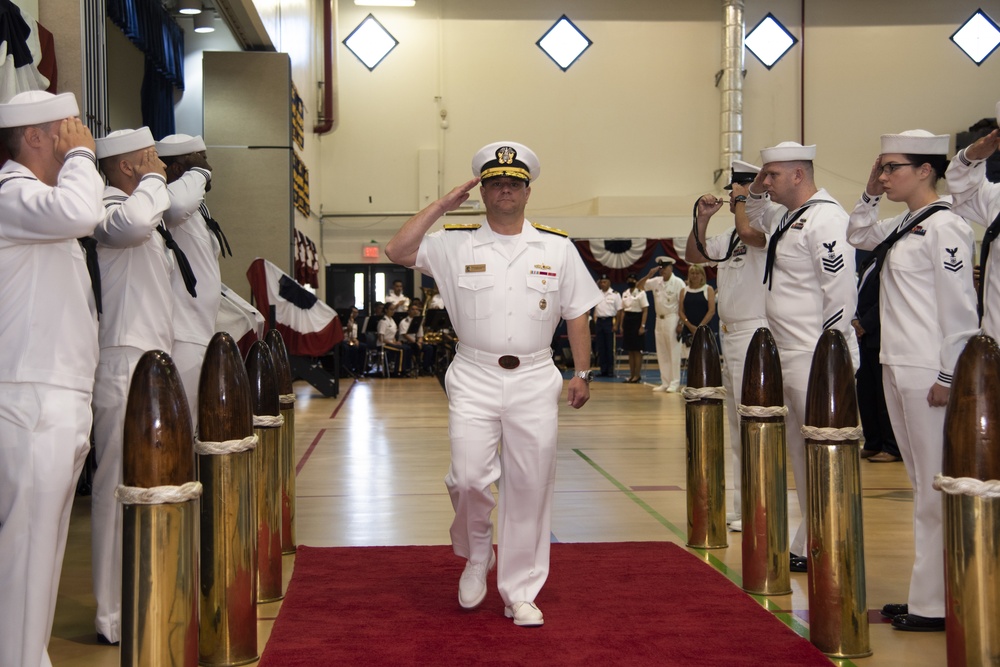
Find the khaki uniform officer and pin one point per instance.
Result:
(506, 284)
(50, 194)
(740, 301)
(136, 318)
(189, 177)
(666, 289)
(810, 283)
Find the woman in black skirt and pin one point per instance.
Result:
(635, 304)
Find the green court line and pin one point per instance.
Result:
(789, 619)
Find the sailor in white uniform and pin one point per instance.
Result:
(927, 307)
(198, 235)
(136, 318)
(810, 283)
(978, 200)
(506, 284)
(50, 195)
(740, 302)
(666, 288)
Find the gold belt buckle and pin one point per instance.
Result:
(509, 361)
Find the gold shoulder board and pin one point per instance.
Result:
(470, 226)
(550, 230)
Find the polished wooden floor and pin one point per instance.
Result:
(371, 469)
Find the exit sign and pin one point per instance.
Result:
(370, 252)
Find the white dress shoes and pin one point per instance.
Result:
(525, 614)
(472, 585)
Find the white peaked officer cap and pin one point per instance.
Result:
(121, 142)
(179, 144)
(915, 142)
(506, 158)
(788, 151)
(741, 172)
(665, 260)
(36, 107)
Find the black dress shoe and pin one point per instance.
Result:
(894, 610)
(914, 623)
(798, 563)
(101, 639)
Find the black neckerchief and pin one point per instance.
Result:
(89, 245)
(882, 249)
(772, 246)
(984, 254)
(182, 261)
(216, 229)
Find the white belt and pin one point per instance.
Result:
(743, 325)
(490, 359)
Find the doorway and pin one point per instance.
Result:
(361, 285)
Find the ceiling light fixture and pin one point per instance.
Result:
(385, 3)
(189, 7)
(204, 22)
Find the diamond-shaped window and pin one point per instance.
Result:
(978, 37)
(370, 42)
(564, 43)
(769, 40)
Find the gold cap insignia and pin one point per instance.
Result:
(506, 155)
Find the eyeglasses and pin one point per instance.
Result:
(889, 167)
(500, 184)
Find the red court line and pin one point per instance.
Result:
(343, 400)
(312, 445)
(309, 451)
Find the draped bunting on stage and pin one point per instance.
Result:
(27, 53)
(309, 327)
(619, 257)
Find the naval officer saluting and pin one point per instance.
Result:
(506, 284)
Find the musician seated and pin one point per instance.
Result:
(397, 356)
(352, 351)
(411, 336)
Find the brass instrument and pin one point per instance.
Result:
(430, 337)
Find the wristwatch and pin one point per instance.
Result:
(586, 376)
(739, 198)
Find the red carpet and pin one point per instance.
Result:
(633, 603)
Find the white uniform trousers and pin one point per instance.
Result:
(188, 358)
(919, 430)
(795, 365)
(735, 340)
(44, 440)
(114, 373)
(516, 410)
(668, 350)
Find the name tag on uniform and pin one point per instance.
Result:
(475, 268)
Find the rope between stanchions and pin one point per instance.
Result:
(225, 447)
(692, 394)
(158, 495)
(762, 410)
(829, 433)
(967, 486)
(268, 421)
(286, 398)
